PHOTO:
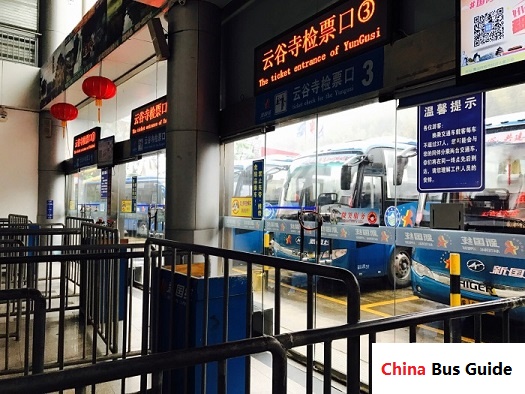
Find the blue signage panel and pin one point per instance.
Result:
(258, 189)
(49, 209)
(351, 78)
(451, 142)
(104, 182)
(133, 194)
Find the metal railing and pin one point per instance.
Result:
(121, 369)
(196, 302)
(100, 285)
(62, 291)
(158, 364)
(176, 296)
(31, 302)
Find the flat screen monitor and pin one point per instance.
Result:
(491, 40)
(105, 155)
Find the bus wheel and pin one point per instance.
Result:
(399, 268)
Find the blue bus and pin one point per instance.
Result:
(356, 183)
(275, 169)
(492, 258)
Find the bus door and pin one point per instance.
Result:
(369, 195)
(369, 256)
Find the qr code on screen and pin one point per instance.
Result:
(489, 27)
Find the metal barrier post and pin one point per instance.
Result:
(455, 294)
(39, 322)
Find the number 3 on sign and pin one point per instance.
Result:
(368, 67)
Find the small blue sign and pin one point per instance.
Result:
(104, 182)
(133, 194)
(351, 78)
(49, 209)
(258, 189)
(451, 142)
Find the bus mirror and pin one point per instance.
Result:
(346, 171)
(401, 163)
(346, 177)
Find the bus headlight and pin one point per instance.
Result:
(421, 270)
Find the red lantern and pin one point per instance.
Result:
(64, 112)
(101, 88)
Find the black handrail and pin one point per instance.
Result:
(349, 280)
(39, 322)
(120, 369)
(314, 269)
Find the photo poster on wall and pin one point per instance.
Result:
(491, 39)
(108, 24)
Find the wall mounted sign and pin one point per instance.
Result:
(49, 209)
(335, 34)
(133, 194)
(491, 39)
(148, 127)
(85, 148)
(258, 189)
(451, 143)
(105, 186)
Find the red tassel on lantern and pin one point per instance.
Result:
(101, 88)
(64, 112)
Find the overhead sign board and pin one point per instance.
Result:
(351, 78)
(85, 148)
(451, 142)
(148, 127)
(491, 39)
(335, 34)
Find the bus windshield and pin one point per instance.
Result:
(275, 174)
(307, 179)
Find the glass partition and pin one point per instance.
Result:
(130, 196)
